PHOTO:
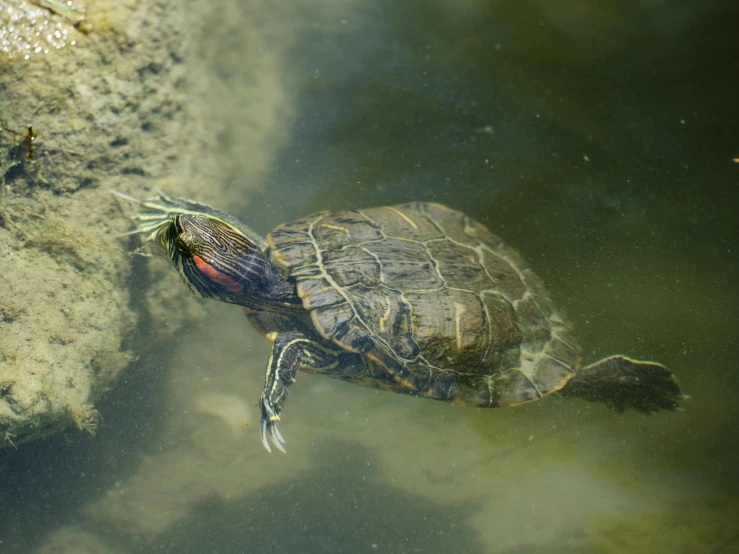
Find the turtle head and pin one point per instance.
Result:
(217, 260)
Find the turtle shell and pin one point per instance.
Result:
(428, 289)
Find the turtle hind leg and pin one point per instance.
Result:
(623, 383)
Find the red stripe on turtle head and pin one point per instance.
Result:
(216, 276)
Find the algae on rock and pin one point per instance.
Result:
(108, 110)
(122, 106)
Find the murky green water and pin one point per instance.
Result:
(596, 139)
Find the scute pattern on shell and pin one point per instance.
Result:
(429, 288)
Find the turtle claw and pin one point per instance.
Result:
(263, 435)
(276, 437)
(275, 434)
(268, 429)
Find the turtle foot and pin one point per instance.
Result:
(623, 383)
(268, 430)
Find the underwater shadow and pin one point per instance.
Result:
(45, 484)
(338, 507)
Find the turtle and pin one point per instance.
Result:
(415, 298)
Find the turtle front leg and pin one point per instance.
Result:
(291, 351)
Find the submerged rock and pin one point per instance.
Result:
(82, 109)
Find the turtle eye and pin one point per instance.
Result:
(181, 245)
(188, 243)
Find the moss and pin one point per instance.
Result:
(85, 417)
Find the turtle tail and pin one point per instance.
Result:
(622, 383)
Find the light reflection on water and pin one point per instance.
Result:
(597, 141)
